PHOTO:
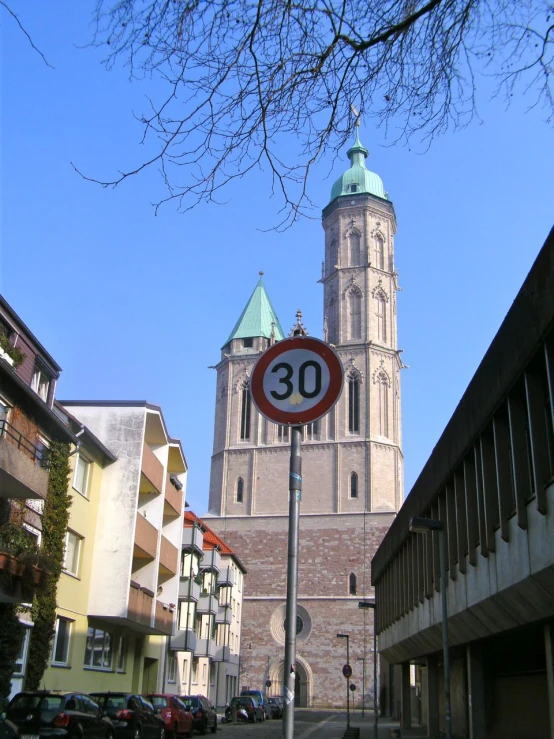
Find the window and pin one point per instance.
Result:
(60, 649)
(354, 405)
(383, 406)
(41, 382)
(311, 431)
(379, 252)
(71, 553)
(381, 317)
(248, 343)
(98, 649)
(240, 489)
(245, 413)
(355, 309)
(352, 584)
(80, 478)
(204, 673)
(195, 671)
(283, 433)
(122, 654)
(172, 669)
(21, 661)
(354, 249)
(353, 485)
(212, 673)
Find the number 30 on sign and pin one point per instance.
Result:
(297, 381)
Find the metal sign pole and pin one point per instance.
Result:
(295, 489)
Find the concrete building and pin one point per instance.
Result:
(118, 593)
(490, 482)
(206, 644)
(352, 458)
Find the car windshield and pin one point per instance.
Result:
(25, 702)
(158, 701)
(110, 701)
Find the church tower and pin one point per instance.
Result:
(352, 460)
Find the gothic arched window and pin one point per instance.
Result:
(354, 405)
(240, 489)
(381, 317)
(355, 255)
(355, 309)
(379, 252)
(245, 413)
(352, 584)
(353, 485)
(383, 406)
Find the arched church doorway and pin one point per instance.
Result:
(302, 686)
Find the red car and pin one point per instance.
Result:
(178, 720)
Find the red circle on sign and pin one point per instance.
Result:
(309, 415)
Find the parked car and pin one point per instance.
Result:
(261, 698)
(275, 702)
(132, 716)
(202, 711)
(254, 711)
(176, 716)
(53, 713)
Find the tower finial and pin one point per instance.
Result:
(299, 329)
(356, 113)
(261, 273)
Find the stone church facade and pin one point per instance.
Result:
(352, 458)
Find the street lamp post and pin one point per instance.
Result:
(347, 637)
(424, 526)
(365, 604)
(362, 660)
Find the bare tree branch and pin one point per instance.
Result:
(268, 84)
(25, 32)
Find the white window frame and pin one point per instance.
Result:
(172, 669)
(77, 554)
(84, 491)
(122, 654)
(21, 662)
(63, 662)
(102, 667)
(40, 383)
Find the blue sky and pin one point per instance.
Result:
(134, 306)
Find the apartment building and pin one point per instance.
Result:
(206, 644)
(28, 425)
(118, 593)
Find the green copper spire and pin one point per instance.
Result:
(358, 179)
(258, 318)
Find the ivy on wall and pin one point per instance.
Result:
(54, 525)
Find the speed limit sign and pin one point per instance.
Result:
(297, 381)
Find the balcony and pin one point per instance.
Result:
(207, 603)
(185, 640)
(140, 605)
(205, 648)
(222, 654)
(23, 472)
(163, 620)
(173, 503)
(224, 615)
(169, 559)
(151, 473)
(226, 576)
(189, 590)
(211, 561)
(146, 539)
(193, 539)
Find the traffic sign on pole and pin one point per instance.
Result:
(297, 381)
(347, 671)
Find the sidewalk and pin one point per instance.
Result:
(385, 727)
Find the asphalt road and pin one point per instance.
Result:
(307, 723)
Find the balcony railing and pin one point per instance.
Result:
(208, 603)
(193, 538)
(224, 615)
(222, 654)
(169, 557)
(146, 537)
(173, 498)
(163, 620)
(140, 605)
(205, 648)
(226, 576)
(189, 589)
(152, 472)
(39, 455)
(185, 640)
(211, 561)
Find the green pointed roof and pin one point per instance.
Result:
(358, 175)
(257, 317)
